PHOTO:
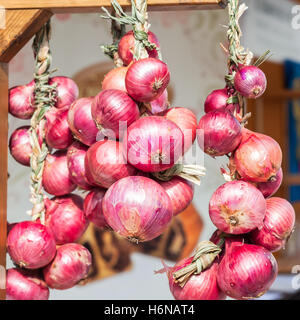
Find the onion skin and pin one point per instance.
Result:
(180, 191)
(31, 245)
(153, 144)
(268, 189)
(113, 110)
(19, 145)
(159, 105)
(137, 208)
(237, 207)
(70, 265)
(146, 79)
(127, 43)
(218, 133)
(65, 218)
(56, 176)
(246, 271)
(25, 285)
(216, 100)
(115, 79)
(279, 223)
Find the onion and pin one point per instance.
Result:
(70, 265)
(153, 144)
(246, 271)
(93, 208)
(127, 44)
(58, 134)
(137, 208)
(258, 158)
(237, 207)
(81, 122)
(186, 121)
(271, 187)
(250, 81)
(278, 225)
(216, 100)
(67, 91)
(115, 79)
(76, 156)
(113, 110)
(31, 245)
(159, 105)
(65, 218)
(105, 164)
(218, 133)
(25, 285)
(20, 146)
(56, 176)
(180, 191)
(146, 79)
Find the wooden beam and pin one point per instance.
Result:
(20, 26)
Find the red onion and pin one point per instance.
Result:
(153, 144)
(146, 79)
(127, 44)
(186, 121)
(58, 134)
(19, 145)
(76, 156)
(237, 207)
(250, 81)
(105, 164)
(81, 122)
(216, 100)
(93, 207)
(31, 245)
(113, 110)
(67, 91)
(56, 176)
(25, 285)
(218, 133)
(65, 218)
(271, 187)
(180, 191)
(115, 79)
(70, 265)
(137, 208)
(278, 225)
(159, 105)
(246, 271)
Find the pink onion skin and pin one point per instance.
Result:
(113, 110)
(246, 271)
(159, 105)
(105, 164)
(67, 91)
(186, 121)
(56, 176)
(93, 208)
(268, 189)
(70, 265)
(153, 144)
(146, 79)
(218, 133)
(216, 100)
(137, 208)
(180, 191)
(250, 81)
(58, 134)
(237, 207)
(115, 79)
(279, 223)
(19, 145)
(65, 218)
(25, 285)
(31, 245)
(127, 43)
(76, 157)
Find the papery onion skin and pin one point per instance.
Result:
(31, 245)
(218, 133)
(269, 188)
(115, 79)
(137, 208)
(159, 105)
(146, 79)
(237, 207)
(278, 225)
(65, 218)
(113, 110)
(153, 144)
(217, 100)
(246, 271)
(56, 176)
(127, 44)
(25, 285)
(70, 265)
(20, 146)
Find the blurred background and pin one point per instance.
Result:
(190, 44)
